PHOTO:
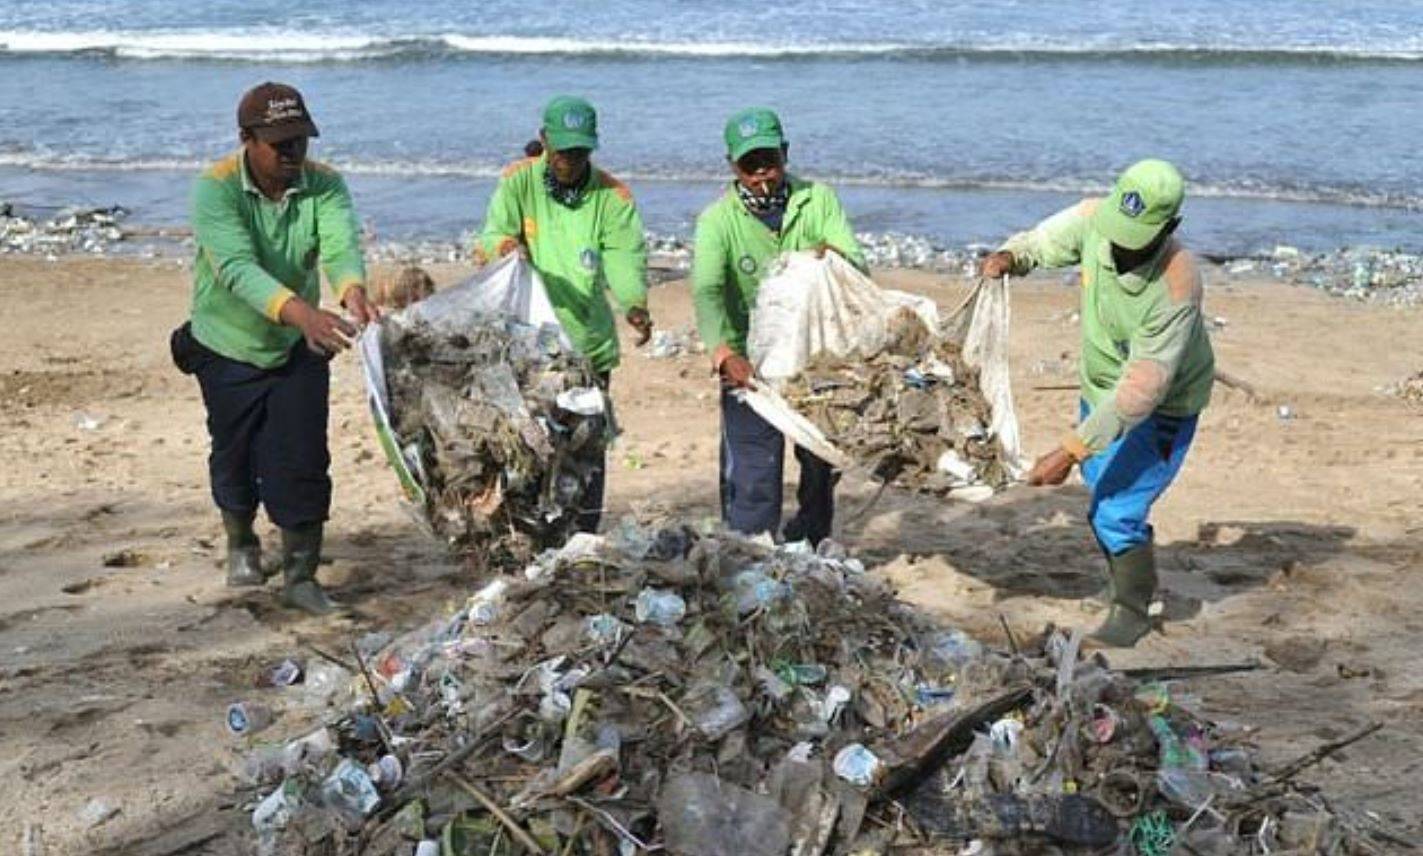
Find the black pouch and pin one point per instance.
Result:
(188, 353)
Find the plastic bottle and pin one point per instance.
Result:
(660, 607)
(858, 765)
(248, 717)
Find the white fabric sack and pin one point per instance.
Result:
(810, 306)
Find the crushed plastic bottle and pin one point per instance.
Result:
(277, 809)
(953, 649)
(485, 604)
(349, 788)
(659, 606)
(753, 589)
(858, 765)
(714, 709)
(604, 629)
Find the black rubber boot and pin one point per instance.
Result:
(244, 550)
(301, 554)
(1133, 585)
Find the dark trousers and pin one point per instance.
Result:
(753, 456)
(268, 430)
(591, 514)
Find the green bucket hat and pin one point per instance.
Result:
(570, 123)
(1143, 200)
(751, 129)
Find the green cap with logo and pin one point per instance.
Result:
(751, 129)
(570, 123)
(1143, 200)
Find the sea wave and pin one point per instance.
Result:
(1252, 189)
(307, 47)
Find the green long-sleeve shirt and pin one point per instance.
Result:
(578, 250)
(253, 255)
(733, 248)
(1144, 344)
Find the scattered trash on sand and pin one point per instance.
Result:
(698, 692)
(1410, 389)
(71, 230)
(1372, 274)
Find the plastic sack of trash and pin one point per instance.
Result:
(492, 421)
(873, 379)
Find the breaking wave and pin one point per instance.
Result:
(305, 47)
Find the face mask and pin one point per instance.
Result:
(771, 204)
(565, 195)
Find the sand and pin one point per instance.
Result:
(1295, 542)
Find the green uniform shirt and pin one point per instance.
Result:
(1144, 342)
(733, 248)
(578, 250)
(253, 255)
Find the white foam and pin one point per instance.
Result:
(267, 45)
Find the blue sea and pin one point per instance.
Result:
(1295, 121)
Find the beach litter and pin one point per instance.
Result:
(875, 381)
(1372, 274)
(675, 689)
(492, 420)
(71, 230)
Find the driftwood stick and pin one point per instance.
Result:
(1169, 673)
(1304, 762)
(1230, 380)
(520, 834)
(1008, 631)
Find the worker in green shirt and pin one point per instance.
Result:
(1146, 368)
(764, 212)
(267, 222)
(580, 229)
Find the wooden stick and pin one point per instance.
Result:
(1008, 631)
(1304, 762)
(1168, 673)
(520, 835)
(1236, 383)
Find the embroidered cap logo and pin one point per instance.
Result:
(573, 120)
(1132, 204)
(749, 128)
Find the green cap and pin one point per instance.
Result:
(570, 123)
(751, 129)
(1144, 199)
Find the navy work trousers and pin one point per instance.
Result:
(268, 430)
(753, 456)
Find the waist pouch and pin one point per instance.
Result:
(189, 355)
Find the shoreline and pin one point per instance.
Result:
(1367, 274)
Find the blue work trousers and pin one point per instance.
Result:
(1131, 474)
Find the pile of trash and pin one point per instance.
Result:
(1391, 277)
(72, 230)
(912, 413)
(495, 424)
(702, 693)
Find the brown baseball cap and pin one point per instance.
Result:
(274, 112)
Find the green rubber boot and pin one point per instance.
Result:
(1133, 585)
(244, 550)
(301, 554)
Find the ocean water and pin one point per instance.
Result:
(1295, 121)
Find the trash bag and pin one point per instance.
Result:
(872, 379)
(494, 424)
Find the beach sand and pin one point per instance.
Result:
(1293, 541)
